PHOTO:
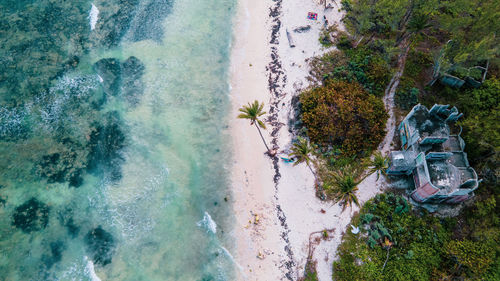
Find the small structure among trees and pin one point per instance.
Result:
(435, 158)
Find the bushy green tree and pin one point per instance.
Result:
(343, 114)
(474, 29)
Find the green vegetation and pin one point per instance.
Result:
(253, 111)
(342, 185)
(379, 164)
(442, 38)
(422, 247)
(362, 65)
(413, 242)
(310, 274)
(301, 151)
(344, 115)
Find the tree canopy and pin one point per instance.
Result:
(344, 115)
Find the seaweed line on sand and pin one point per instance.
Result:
(276, 81)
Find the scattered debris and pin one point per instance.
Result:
(301, 29)
(256, 219)
(354, 229)
(260, 255)
(290, 39)
(312, 16)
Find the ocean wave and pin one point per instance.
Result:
(89, 270)
(93, 16)
(208, 223)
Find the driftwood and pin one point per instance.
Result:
(290, 39)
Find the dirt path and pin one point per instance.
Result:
(390, 126)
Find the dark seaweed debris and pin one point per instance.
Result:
(33, 215)
(100, 246)
(276, 81)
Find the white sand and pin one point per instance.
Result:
(254, 191)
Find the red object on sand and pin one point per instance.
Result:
(312, 16)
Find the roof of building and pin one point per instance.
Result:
(427, 124)
(442, 162)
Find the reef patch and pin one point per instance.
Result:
(31, 216)
(100, 246)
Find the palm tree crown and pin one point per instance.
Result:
(379, 164)
(301, 150)
(343, 186)
(253, 111)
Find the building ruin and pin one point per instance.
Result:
(433, 156)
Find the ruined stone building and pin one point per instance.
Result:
(433, 156)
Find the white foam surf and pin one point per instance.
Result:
(208, 223)
(89, 269)
(93, 16)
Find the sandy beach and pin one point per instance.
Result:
(274, 202)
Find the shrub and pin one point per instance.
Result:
(343, 114)
(417, 243)
(361, 65)
(406, 98)
(476, 256)
(343, 42)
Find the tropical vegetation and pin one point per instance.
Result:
(343, 115)
(302, 151)
(342, 185)
(436, 39)
(252, 112)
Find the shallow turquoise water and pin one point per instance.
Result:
(119, 134)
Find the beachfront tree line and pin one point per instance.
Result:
(341, 184)
(457, 39)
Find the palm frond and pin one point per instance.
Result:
(243, 116)
(301, 150)
(379, 164)
(343, 185)
(261, 124)
(253, 111)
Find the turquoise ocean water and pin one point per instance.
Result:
(114, 148)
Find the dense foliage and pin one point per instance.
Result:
(344, 115)
(470, 27)
(388, 224)
(362, 65)
(464, 247)
(412, 245)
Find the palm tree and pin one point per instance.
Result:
(343, 185)
(301, 150)
(379, 164)
(253, 111)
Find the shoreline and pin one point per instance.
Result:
(279, 196)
